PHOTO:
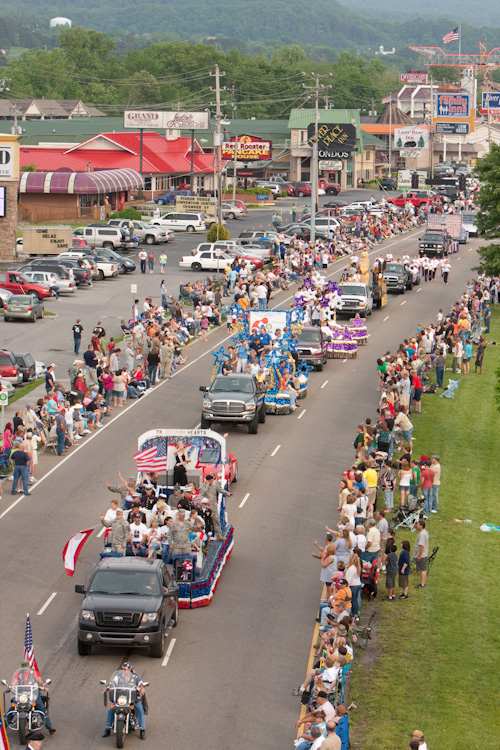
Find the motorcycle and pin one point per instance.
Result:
(19, 706)
(122, 698)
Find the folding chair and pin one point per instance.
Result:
(450, 388)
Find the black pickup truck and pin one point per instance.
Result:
(398, 277)
(434, 242)
(129, 602)
(236, 398)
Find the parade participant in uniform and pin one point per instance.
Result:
(211, 489)
(178, 534)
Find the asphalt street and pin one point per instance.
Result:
(226, 681)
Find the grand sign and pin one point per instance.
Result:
(413, 76)
(248, 149)
(166, 120)
(333, 136)
(453, 105)
(323, 154)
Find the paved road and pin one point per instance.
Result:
(230, 674)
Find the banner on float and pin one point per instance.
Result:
(269, 320)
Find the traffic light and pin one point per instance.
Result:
(461, 183)
(414, 181)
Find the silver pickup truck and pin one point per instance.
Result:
(237, 398)
(355, 298)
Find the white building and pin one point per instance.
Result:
(59, 21)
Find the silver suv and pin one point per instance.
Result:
(99, 235)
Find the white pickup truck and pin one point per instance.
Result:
(355, 298)
(105, 269)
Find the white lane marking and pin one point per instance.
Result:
(275, 450)
(344, 361)
(101, 532)
(386, 318)
(368, 335)
(302, 414)
(470, 249)
(324, 384)
(51, 597)
(459, 257)
(403, 303)
(14, 504)
(419, 290)
(169, 652)
(244, 500)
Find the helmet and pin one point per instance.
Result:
(126, 665)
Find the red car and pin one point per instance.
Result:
(206, 463)
(17, 283)
(330, 188)
(257, 260)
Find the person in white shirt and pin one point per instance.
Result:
(110, 514)
(138, 536)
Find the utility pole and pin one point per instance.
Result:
(218, 144)
(431, 130)
(315, 88)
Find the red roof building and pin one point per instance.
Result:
(164, 163)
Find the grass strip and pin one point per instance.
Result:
(22, 392)
(433, 665)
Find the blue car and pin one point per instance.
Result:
(168, 199)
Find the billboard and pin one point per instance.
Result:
(491, 100)
(453, 105)
(413, 76)
(452, 222)
(404, 178)
(196, 205)
(249, 149)
(452, 128)
(166, 120)
(332, 136)
(411, 137)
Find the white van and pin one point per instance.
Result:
(183, 222)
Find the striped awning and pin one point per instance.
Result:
(81, 183)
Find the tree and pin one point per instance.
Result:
(488, 219)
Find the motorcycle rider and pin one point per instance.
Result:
(128, 678)
(27, 676)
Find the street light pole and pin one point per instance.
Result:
(234, 165)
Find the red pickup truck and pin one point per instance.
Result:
(415, 197)
(330, 188)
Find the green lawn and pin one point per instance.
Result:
(435, 655)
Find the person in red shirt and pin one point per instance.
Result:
(426, 482)
(416, 385)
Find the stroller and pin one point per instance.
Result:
(369, 578)
(407, 516)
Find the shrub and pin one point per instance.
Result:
(127, 213)
(214, 236)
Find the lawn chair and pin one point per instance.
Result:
(410, 518)
(431, 558)
(361, 629)
(450, 388)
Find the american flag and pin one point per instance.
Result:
(451, 36)
(29, 652)
(4, 742)
(152, 459)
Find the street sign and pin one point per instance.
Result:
(453, 105)
(491, 100)
(133, 289)
(263, 196)
(4, 398)
(452, 128)
(196, 204)
(410, 153)
(331, 165)
(218, 253)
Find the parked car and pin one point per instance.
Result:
(330, 188)
(65, 285)
(209, 260)
(388, 183)
(100, 235)
(244, 254)
(181, 221)
(17, 283)
(106, 268)
(233, 212)
(251, 237)
(273, 187)
(23, 307)
(301, 188)
(168, 199)
(9, 369)
(148, 233)
(5, 295)
(82, 273)
(232, 245)
(7, 387)
(27, 366)
(237, 203)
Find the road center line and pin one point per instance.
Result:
(419, 290)
(386, 318)
(51, 597)
(324, 384)
(459, 257)
(403, 303)
(244, 500)
(302, 414)
(275, 450)
(101, 532)
(169, 652)
(344, 361)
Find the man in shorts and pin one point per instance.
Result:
(421, 552)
